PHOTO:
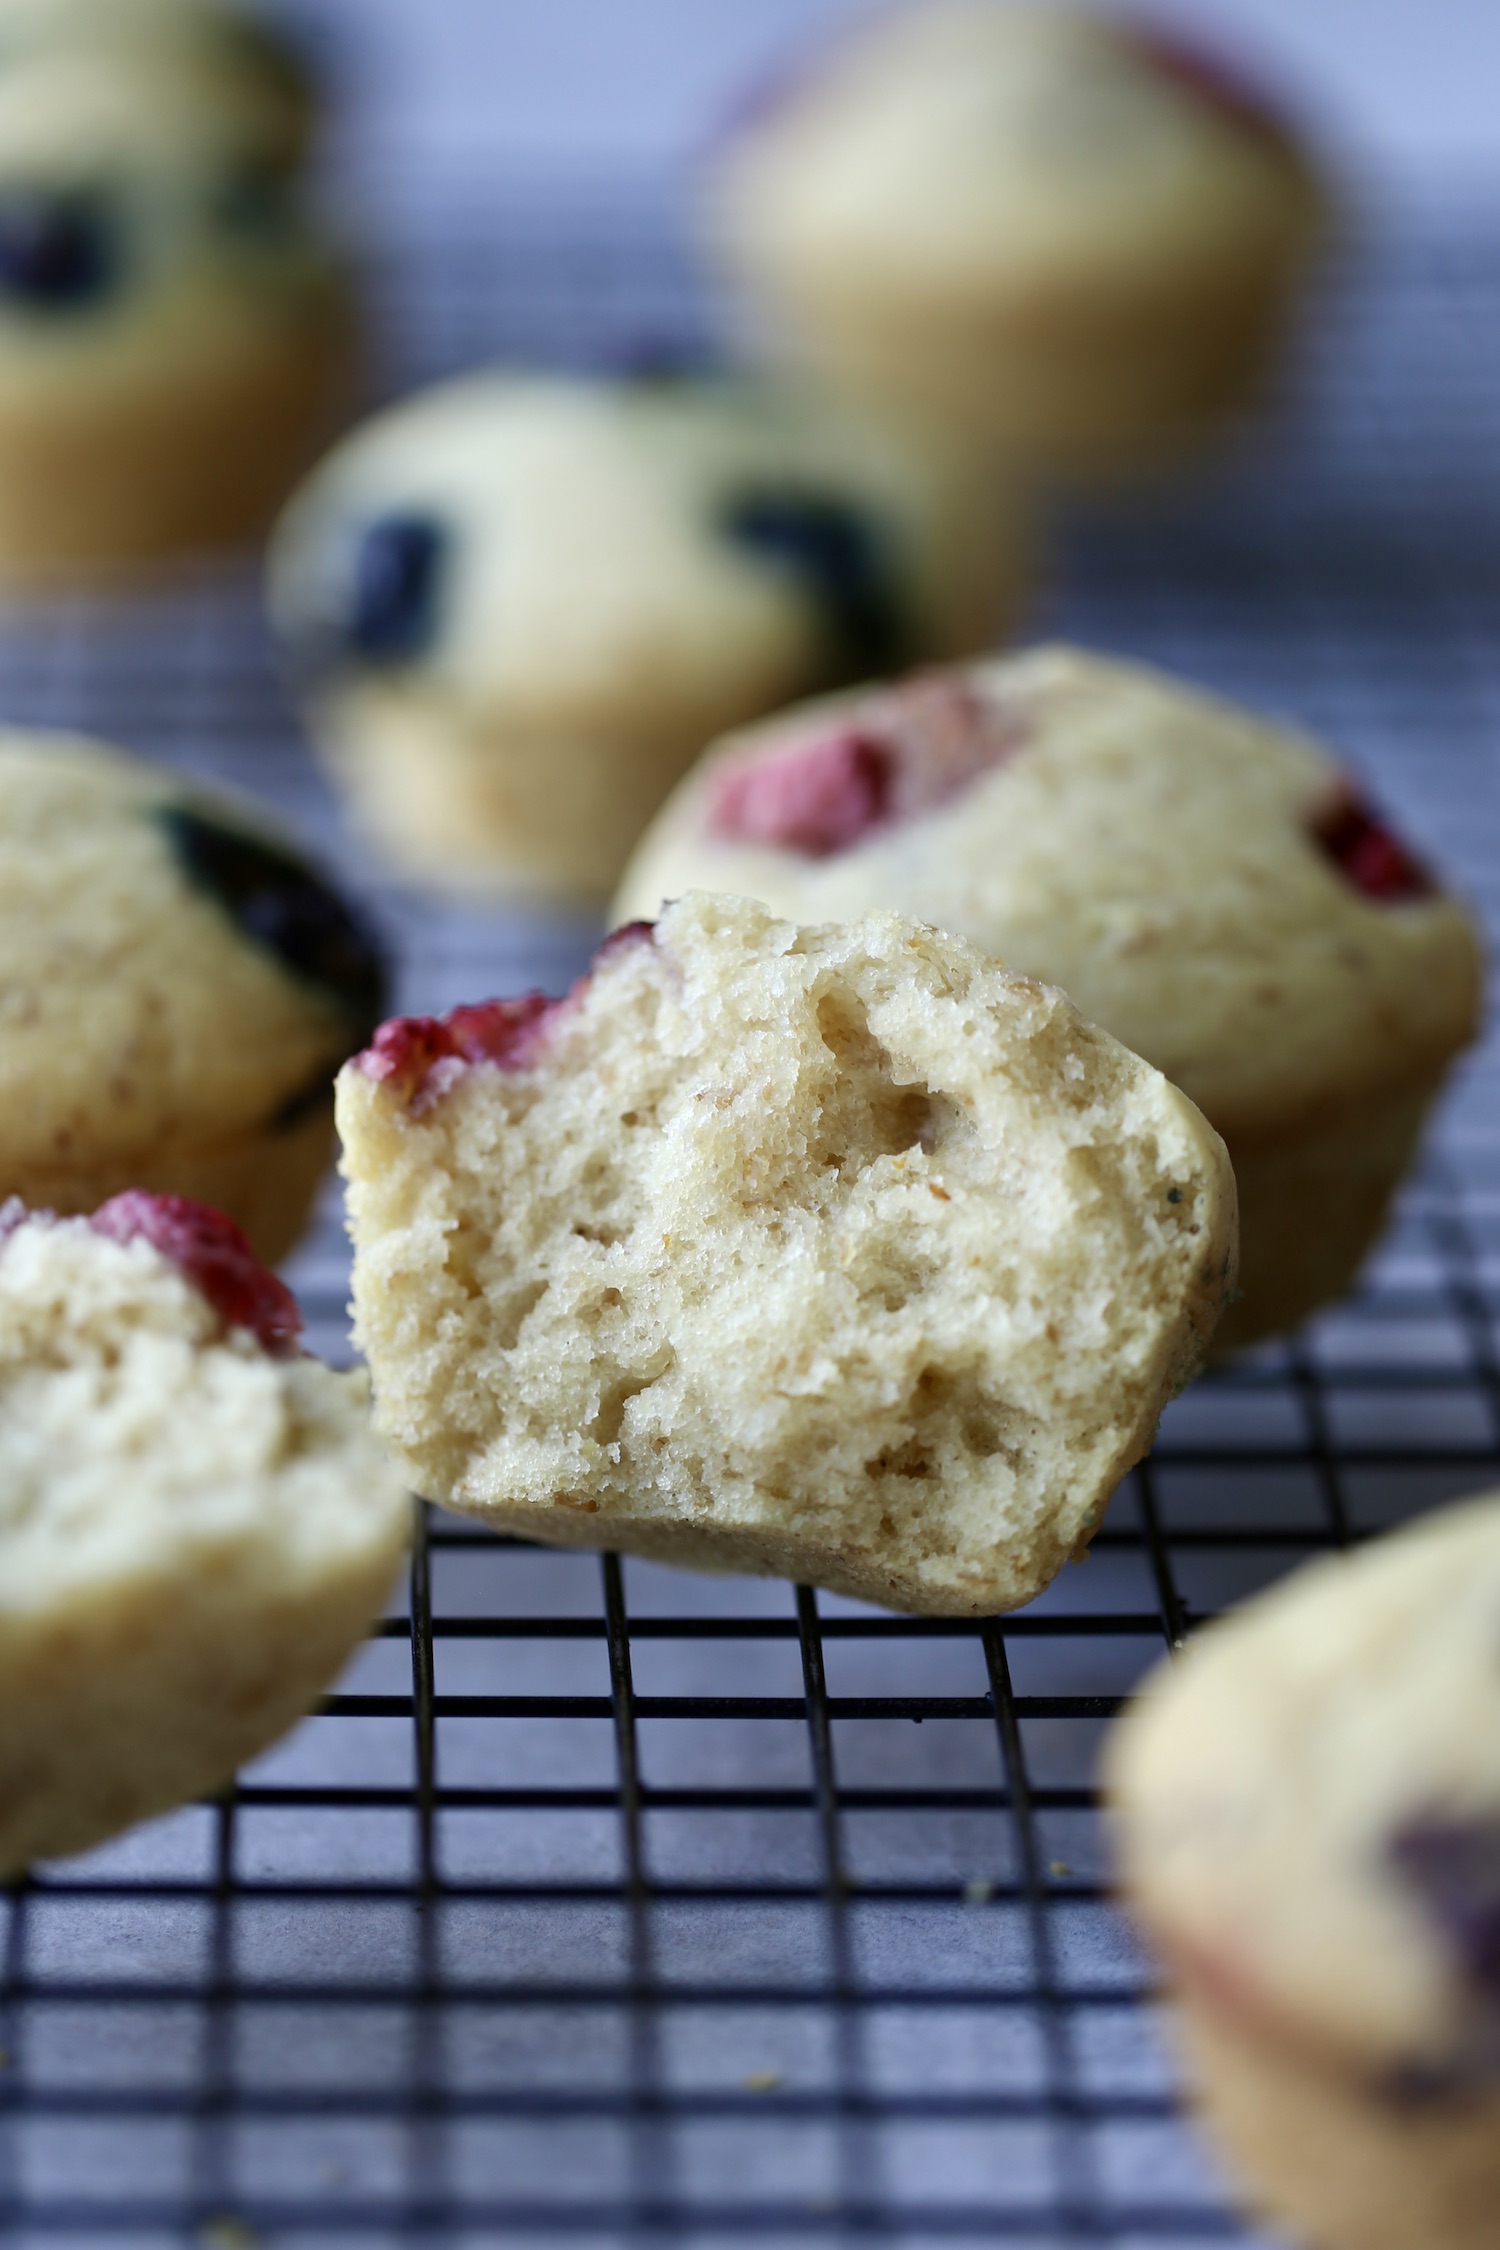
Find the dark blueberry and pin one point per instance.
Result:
(1453, 1865)
(841, 557)
(1424, 2084)
(258, 202)
(278, 902)
(57, 247)
(396, 583)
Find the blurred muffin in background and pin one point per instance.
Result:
(176, 342)
(1208, 886)
(220, 37)
(177, 989)
(1070, 238)
(518, 607)
(1307, 1820)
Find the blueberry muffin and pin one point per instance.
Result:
(175, 340)
(839, 1254)
(1213, 889)
(197, 1527)
(1307, 1810)
(221, 37)
(177, 989)
(520, 606)
(1064, 235)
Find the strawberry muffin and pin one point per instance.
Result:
(197, 1527)
(836, 1253)
(221, 37)
(1070, 237)
(1215, 890)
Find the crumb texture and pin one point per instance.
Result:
(835, 1252)
(194, 1536)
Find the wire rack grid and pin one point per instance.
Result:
(603, 1903)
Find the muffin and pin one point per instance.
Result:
(519, 606)
(1307, 1811)
(197, 1527)
(1213, 889)
(1068, 237)
(177, 989)
(839, 1254)
(175, 340)
(221, 37)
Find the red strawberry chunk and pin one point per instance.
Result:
(618, 941)
(507, 1032)
(816, 798)
(1368, 854)
(905, 751)
(423, 1055)
(215, 1257)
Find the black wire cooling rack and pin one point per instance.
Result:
(608, 1904)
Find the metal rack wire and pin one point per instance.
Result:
(603, 1903)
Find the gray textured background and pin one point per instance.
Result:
(457, 90)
